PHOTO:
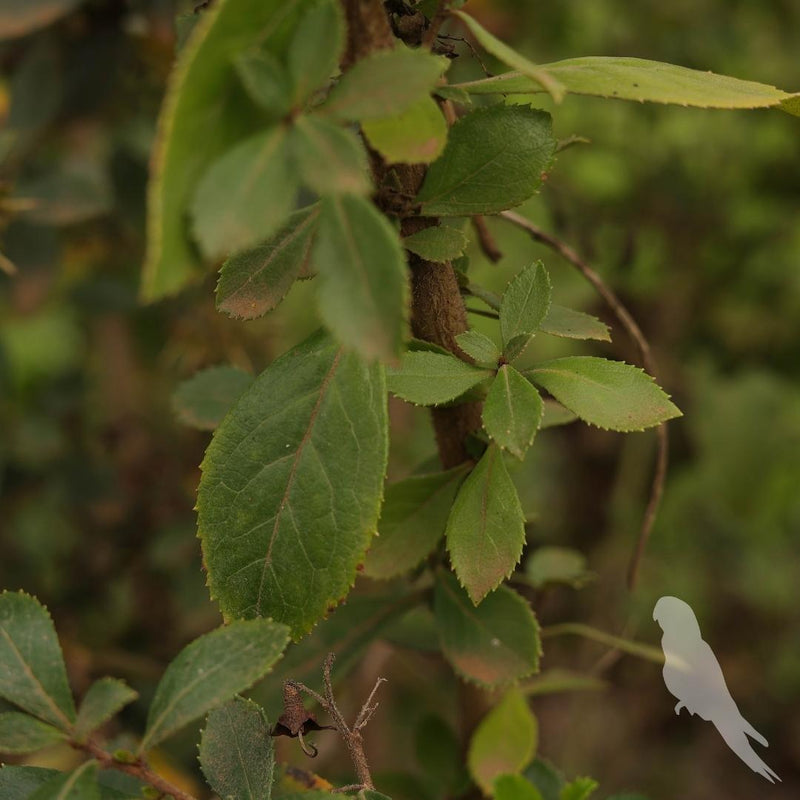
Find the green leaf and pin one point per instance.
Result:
(570, 324)
(372, 88)
(430, 379)
(413, 519)
(546, 778)
(494, 159)
(210, 671)
(485, 352)
(236, 753)
(253, 282)
(21, 17)
(80, 784)
(486, 527)
(641, 80)
(609, 394)
(439, 243)
(204, 114)
(292, 484)
(512, 411)
(504, 741)
(203, 400)
(414, 136)
(515, 787)
(362, 287)
(579, 789)
(266, 81)
(19, 783)
(316, 48)
(492, 644)
(554, 415)
(105, 698)
(550, 564)
(525, 304)
(245, 195)
(20, 733)
(330, 159)
(32, 672)
(439, 754)
(511, 58)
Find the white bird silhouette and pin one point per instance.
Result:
(693, 675)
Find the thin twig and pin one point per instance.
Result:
(472, 49)
(485, 239)
(635, 332)
(481, 313)
(367, 710)
(437, 21)
(646, 651)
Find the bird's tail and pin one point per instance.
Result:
(733, 732)
(752, 732)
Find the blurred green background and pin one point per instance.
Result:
(692, 216)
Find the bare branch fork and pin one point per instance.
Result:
(350, 734)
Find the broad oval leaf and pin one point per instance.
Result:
(512, 411)
(104, 699)
(524, 305)
(430, 378)
(486, 527)
(494, 159)
(492, 644)
(292, 484)
(504, 742)
(253, 282)
(210, 671)
(609, 394)
(245, 195)
(439, 755)
(362, 280)
(571, 324)
(21, 17)
(203, 400)
(204, 114)
(32, 672)
(413, 519)
(80, 784)
(21, 733)
(438, 243)
(236, 753)
(480, 348)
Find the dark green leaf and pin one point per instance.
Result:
(609, 394)
(20, 733)
(245, 195)
(546, 778)
(413, 519)
(19, 783)
(525, 304)
(21, 17)
(266, 81)
(210, 671)
(570, 324)
(80, 784)
(253, 282)
(374, 89)
(494, 159)
(440, 243)
(492, 644)
(330, 159)
(512, 411)
(292, 484)
(32, 672)
(557, 565)
(486, 527)
(504, 741)
(579, 789)
(104, 699)
(429, 378)
(515, 787)
(485, 352)
(439, 754)
(203, 400)
(236, 753)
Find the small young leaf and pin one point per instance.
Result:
(525, 304)
(316, 48)
(210, 671)
(104, 699)
(253, 282)
(554, 415)
(415, 136)
(439, 243)
(20, 733)
(486, 527)
(494, 159)
(579, 789)
(504, 741)
(266, 81)
(330, 159)
(485, 352)
(492, 644)
(80, 784)
(609, 394)
(292, 484)
(245, 195)
(372, 89)
(430, 379)
(514, 787)
(413, 519)
(512, 411)
(203, 400)
(236, 753)
(363, 286)
(557, 565)
(570, 324)
(32, 672)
